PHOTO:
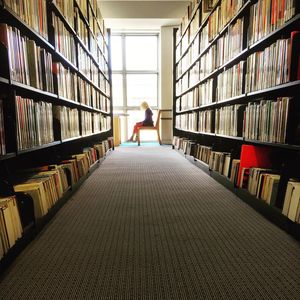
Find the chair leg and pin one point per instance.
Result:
(158, 137)
(138, 137)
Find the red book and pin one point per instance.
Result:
(254, 156)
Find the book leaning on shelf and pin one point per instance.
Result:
(291, 205)
(2, 130)
(33, 12)
(203, 153)
(66, 82)
(220, 162)
(10, 224)
(267, 120)
(29, 63)
(68, 120)
(34, 123)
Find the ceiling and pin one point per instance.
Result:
(142, 15)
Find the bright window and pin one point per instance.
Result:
(135, 76)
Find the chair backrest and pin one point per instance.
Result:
(157, 119)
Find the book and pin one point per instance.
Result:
(86, 123)
(67, 10)
(291, 201)
(205, 121)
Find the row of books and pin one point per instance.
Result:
(67, 82)
(33, 13)
(86, 123)
(45, 185)
(81, 29)
(269, 67)
(29, 64)
(10, 224)
(267, 120)
(267, 16)
(64, 41)
(199, 96)
(34, 123)
(67, 10)
(2, 130)
(230, 82)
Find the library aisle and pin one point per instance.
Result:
(148, 224)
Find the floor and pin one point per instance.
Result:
(150, 225)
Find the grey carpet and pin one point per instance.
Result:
(150, 225)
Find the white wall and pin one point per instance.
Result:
(166, 82)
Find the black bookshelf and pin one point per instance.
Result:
(17, 158)
(287, 151)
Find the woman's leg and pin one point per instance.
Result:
(135, 130)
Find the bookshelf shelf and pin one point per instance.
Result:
(64, 100)
(71, 139)
(275, 89)
(81, 14)
(4, 80)
(7, 156)
(28, 88)
(61, 58)
(19, 152)
(272, 112)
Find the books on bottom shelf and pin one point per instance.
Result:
(261, 183)
(267, 120)
(291, 205)
(220, 162)
(34, 123)
(47, 184)
(2, 130)
(68, 120)
(203, 153)
(10, 224)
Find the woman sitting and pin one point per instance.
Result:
(147, 122)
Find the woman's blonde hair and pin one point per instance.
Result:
(144, 105)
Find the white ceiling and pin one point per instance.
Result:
(142, 15)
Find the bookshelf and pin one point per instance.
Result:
(55, 106)
(236, 84)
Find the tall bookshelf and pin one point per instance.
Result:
(230, 58)
(55, 92)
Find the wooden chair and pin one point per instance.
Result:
(155, 127)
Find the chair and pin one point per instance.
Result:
(155, 127)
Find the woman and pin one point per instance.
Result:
(147, 122)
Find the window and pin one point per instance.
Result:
(135, 75)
